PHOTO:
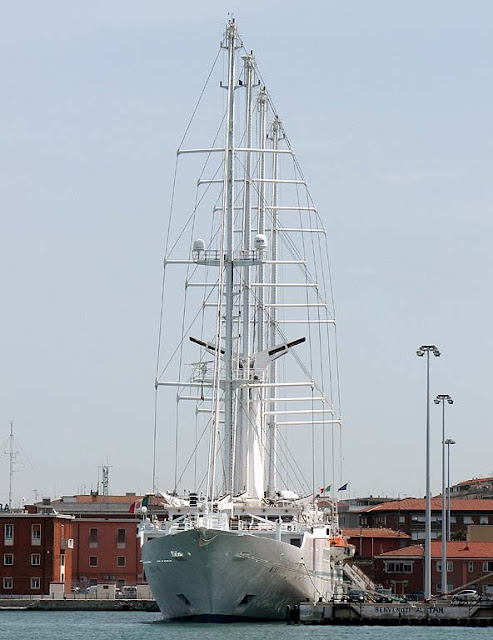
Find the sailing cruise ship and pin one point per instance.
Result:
(247, 371)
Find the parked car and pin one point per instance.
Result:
(383, 595)
(467, 595)
(415, 596)
(356, 595)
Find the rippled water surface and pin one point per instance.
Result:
(70, 625)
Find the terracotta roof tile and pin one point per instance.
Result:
(465, 550)
(473, 481)
(419, 504)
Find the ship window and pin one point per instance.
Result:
(296, 542)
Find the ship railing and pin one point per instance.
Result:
(207, 256)
(201, 372)
(256, 525)
(244, 373)
(216, 521)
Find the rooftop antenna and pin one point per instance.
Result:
(12, 455)
(105, 479)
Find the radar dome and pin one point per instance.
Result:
(260, 242)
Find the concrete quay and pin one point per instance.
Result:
(417, 614)
(50, 604)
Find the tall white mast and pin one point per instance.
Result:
(229, 419)
(243, 416)
(273, 308)
(263, 103)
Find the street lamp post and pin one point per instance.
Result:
(448, 442)
(443, 398)
(427, 349)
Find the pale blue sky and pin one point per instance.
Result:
(388, 106)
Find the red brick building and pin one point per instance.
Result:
(373, 542)
(35, 551)
(370, 543)
(106, 548)
(408, 515)
(468, 563)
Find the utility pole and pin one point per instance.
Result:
(11, 454)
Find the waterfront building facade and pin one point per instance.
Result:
(468, 563)
(106, 547)
(408, 516)
(35, 553)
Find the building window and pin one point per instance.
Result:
(417, 535)
(35, 559)
(487, 566)
(8, 534)
(468, 520)
(93, 538)
(35, 583)
(450, 566)
(121, 539)
(402, 519)
(470, 566)
(93, 561)
(8, 583)
(363, 521)
(450, 587)
(453, 519)
(8, 559)
(62, 559)
(121, 561)
(36, 534)
(483, 520)
(398, 567)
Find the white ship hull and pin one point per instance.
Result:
(215, 575)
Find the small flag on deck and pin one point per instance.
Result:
(322, 490)
(137, 506)
(344, 487)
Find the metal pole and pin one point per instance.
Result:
(444, 522)
(443, 398)
(428, 497)
(276, 126)
(448, 442)
(11, 462)
(425, 349)
(229, 422)
(448, 491)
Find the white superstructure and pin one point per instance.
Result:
(251, 376)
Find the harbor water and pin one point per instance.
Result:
(70, 625)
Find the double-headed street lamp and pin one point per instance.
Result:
(426, 349)
(448, 442)
(442, 399)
